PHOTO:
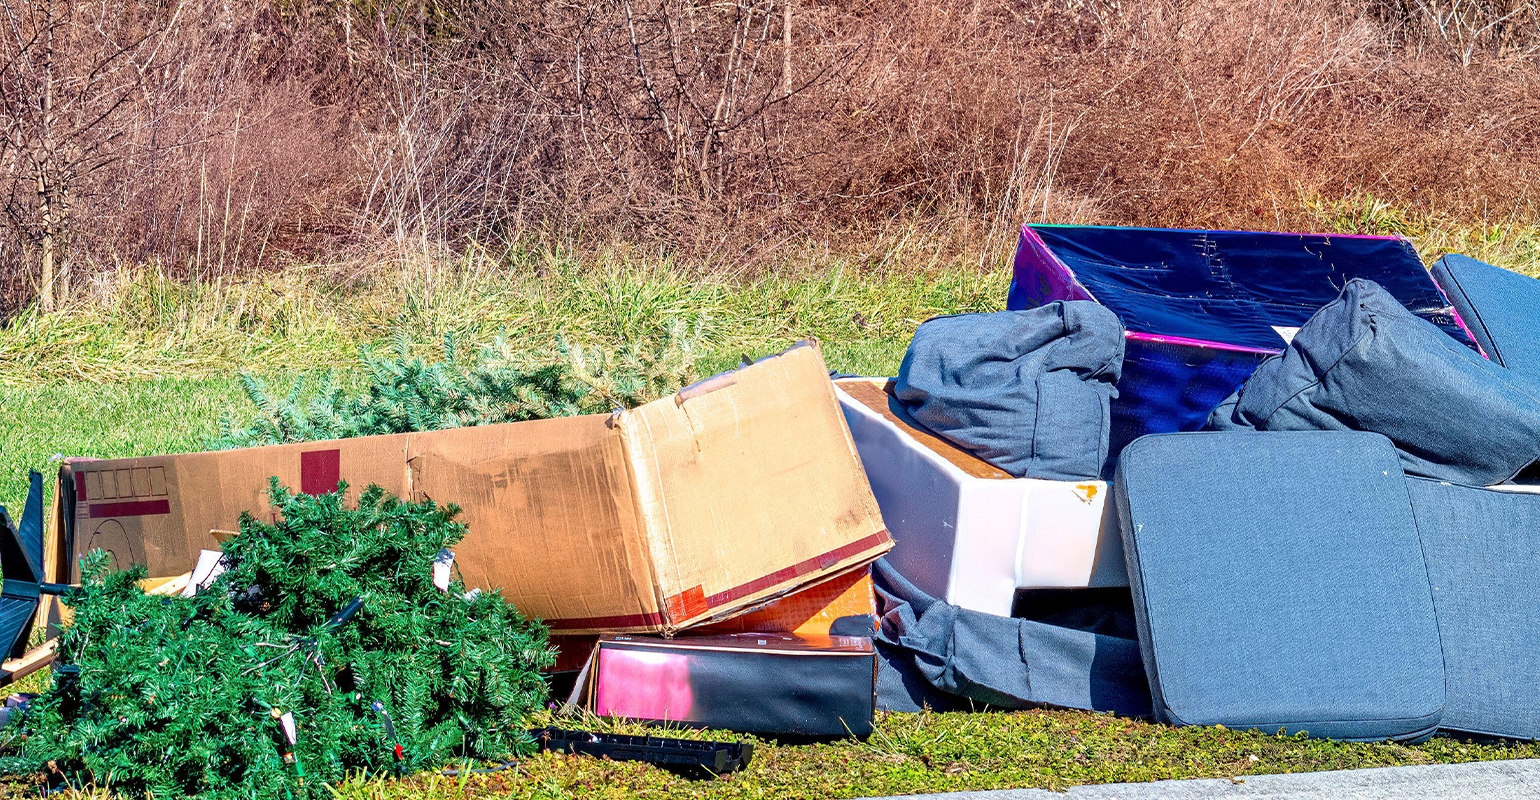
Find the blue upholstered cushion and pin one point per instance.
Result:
(1027, 391)
(1483, 552)
(1501, 309)
(1279, 584)
(1365, 363)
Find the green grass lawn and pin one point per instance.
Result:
(151, 370)
(40, 423)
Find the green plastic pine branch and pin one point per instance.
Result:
(172, 696)
(403, 393)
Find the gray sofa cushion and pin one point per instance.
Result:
(1483, 553)
(1364, 362)
(1027, 391)
(1278, 584)
(1501, 309)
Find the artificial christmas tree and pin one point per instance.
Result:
(403, 393)
(324, 648)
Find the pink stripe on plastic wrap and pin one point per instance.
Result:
(1061, 281)
(1459, 320)
(1319, 234)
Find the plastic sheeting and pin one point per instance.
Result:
(1234, 288)
(1203, 308)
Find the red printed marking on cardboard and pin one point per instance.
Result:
(687, 605)
(320, 471)
(132, 508)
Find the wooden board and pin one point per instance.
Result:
(876, 397)
(33, 660)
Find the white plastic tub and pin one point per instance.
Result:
(966, 531)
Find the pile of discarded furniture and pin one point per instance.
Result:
(1271, 481)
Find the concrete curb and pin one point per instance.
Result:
(1486, 780)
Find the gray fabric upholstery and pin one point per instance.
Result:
(938, 655)
(1364, 362)
(1501, 309)
(1027, 391)
(1483, 553)
(1279, 584)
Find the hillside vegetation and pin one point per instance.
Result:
(213, 140)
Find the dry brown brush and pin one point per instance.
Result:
(213, 138)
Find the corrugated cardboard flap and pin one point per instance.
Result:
(552, 519)
(749, 487)
(158, 510)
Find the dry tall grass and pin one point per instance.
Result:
(720, 132)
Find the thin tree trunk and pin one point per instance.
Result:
(786, 46)
(44, 164)
(46, 280)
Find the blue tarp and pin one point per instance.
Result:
(1235, 287)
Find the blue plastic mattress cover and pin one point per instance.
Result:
(1238, 288)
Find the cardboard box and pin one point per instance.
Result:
(761, 683)
(1203, 308)
(966, 531)
(739, 489)
(845, 605)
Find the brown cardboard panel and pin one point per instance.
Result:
(810, 611)
(694, 507)
(551, 516)
(757, 471)
(57, 556)
(158, 510)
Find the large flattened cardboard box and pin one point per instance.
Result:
(737, 490)
(968, 532)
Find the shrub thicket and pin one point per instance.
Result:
(213, 136)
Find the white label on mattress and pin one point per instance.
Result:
(1286, 334)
